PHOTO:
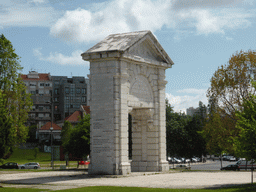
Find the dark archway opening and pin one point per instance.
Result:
(130, 136)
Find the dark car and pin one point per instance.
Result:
(10, 165)
(231, 167)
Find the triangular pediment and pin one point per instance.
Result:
(146, 50)
(140, 46)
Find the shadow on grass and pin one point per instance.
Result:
(235, 187)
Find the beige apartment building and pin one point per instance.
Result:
(39, 85)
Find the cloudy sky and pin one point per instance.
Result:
(198, 35)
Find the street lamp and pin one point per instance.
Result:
(51, 129)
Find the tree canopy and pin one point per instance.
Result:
(15, 102)
(183, 137)
(245, 143)
(78, 142)
(231, 83)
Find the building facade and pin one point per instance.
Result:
(68, 95)
(39, 85)
(58, 94)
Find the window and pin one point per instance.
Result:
(67, 106)
(67, 90)
(56, 107)
(56, 91)
(83, 99)
(33, 92)
(41, 92)
(71, 106)
(56, 99)
(78, 90)
(41, 108)
(47, 91)
(47, 115)
(47, 107)
(33, 108)
(32, 84)
(41, 84)
(40, 115)
(72, 90)
(83, 91)
(67, 98)
(47, 85)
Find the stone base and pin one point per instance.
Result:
(164, 166)
(115, 169)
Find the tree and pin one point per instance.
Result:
(231, 84)
(15, 102)
(245, 143)
(183, 137)
(78, 143)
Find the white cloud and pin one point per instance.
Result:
(118, 16)
(59, 58)
(182, 102)
(31, 13)
(193, 91)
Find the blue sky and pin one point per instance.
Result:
(198, 35)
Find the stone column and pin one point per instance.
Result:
(163, 163)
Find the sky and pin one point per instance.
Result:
(198, 35)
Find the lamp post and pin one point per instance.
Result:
(51, 129)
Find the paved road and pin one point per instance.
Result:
(209, 165)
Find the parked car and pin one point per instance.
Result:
(174, 160)
(231, 167)
(10, 165)
(184, 160)
(194, 160)
(231, 158)
(31, 165)
(243, 164)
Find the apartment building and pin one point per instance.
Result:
(58, 94)
(40, 87)
(68, 95)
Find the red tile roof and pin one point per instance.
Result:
(42, 77)
(74, 117)
(87, 109)
(47, 126)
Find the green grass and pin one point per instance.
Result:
(240, 188)
(22, 156)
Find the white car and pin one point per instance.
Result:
(31, 165)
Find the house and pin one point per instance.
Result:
(44, 134)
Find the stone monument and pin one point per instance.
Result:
(127, 76)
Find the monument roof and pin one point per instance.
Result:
(122, 42)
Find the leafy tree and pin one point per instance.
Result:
(245, 143)
(218, 134)
(15, 102)
(78, 143)
(231, 84)
(183, 137)
(65, 133)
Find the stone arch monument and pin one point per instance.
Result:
(127, 76)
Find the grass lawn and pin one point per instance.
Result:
(242, 188)
(22, 156)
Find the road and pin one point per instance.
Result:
(209, 165)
